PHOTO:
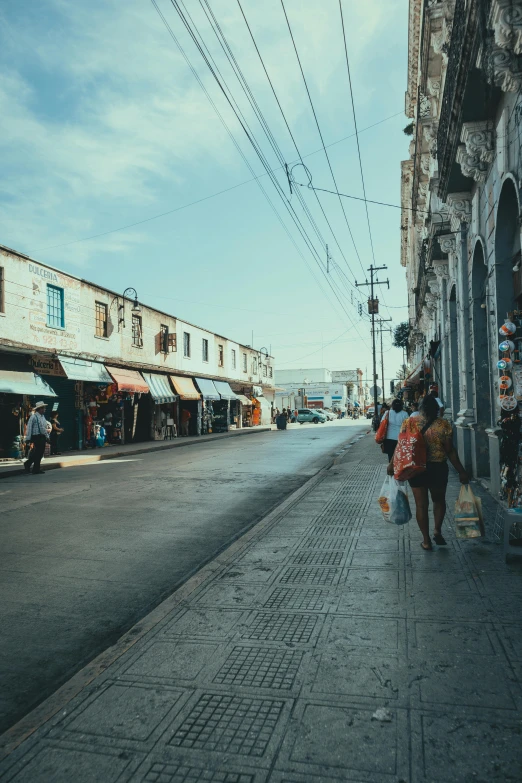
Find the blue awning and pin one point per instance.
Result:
(207, 388)
(225, 391)
(24, 383)
(159, 388)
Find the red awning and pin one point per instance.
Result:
(128, 380)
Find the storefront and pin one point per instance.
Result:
(130, 395)
(20, 388)
(190, 402)
(164, 412)
(210, 397)
(228, 409)
(245, 410)
(84, 382)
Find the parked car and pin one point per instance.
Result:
(370, 412)
(315, 416)
(330, 415)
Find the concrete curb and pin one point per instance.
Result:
(140, 449)
(10, 740)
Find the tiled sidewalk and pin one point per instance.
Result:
(273, 667)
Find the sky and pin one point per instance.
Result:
(105, 125)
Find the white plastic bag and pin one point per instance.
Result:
(393, 501)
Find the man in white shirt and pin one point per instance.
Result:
(37, 433)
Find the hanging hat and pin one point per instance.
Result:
(40, 404)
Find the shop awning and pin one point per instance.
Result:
(128, 380)
(244, 400)
(185, 387)
(225, 391)
(414, 375)
(207, 389)
(159, 388)
(24, 383)
(81, 370)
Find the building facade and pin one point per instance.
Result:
(461, 213)
(86, 343)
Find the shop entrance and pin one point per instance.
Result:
(481, 360)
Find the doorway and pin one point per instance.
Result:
(481, 360)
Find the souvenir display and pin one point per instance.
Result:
(510, 399)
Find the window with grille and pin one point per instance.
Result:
(186, 345)
(101, 319)
(55, 314)
(137, 334)
(245, 364)
(221, 356)
(264, 370)
(2, 290)
(254, 366)
(205, 350)
(233, 359)
(270, 372)
(164, 338)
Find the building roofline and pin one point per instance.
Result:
(114, 293)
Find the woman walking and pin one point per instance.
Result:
(438, 435)
(396, 416)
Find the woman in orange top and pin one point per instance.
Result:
(439, 448)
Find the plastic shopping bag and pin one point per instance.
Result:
(467, 518)
(394, 503)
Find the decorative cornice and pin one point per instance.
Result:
(506, 21)
(441, 268)
(414, 33)
(471, 164)
(506, 69)
(448, 245)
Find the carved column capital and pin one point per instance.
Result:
(441, 268)
(448, 245)
(459, 208)
(479, 139)
(506, 21)
(471, 164)
(506, 68)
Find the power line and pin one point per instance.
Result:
(206, 198)
(319, 131)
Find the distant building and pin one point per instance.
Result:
(322, 388)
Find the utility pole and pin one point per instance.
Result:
(381, 330)
(327, 260)
(373, 309)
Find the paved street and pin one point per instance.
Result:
(86, 552)
(322, 646)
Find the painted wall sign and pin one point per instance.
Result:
(46, 273)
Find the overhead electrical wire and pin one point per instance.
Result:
(253, 142)
(320, 132)
(218, 193)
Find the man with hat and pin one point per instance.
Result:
(37, 433)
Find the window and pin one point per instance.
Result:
(2, 298)
(137, 335)
(254, 365)
(233, 359)
(245, 363)
(186, 345)
(173, 342)
(221, 355)
(270, 372)
(164, 338)
(55, 315)
(101, 319)
(205, 350)
(264, 370)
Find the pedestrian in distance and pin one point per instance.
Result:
(414, 409)
(434, 392)
(281, 421)
(438, 435)
(396, 415)
(37, 433)
(56, 431)
(185, 419)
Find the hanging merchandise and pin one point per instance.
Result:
(508, 328)
(505, 382)
(506, 345)
(504, 364)
(508, 403)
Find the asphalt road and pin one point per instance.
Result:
(88, 551)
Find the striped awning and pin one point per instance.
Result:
(225, 392)
(81, 370)
(128, 380)
(207, 389)
(160, 388)
(24, 383)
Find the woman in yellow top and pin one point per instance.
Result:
(438, 434)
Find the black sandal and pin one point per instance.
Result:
(426, 548)
(439, 539)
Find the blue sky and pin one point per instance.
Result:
(104, 125)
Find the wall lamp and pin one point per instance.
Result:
(136, 307)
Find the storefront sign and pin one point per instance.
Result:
(46, 366)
